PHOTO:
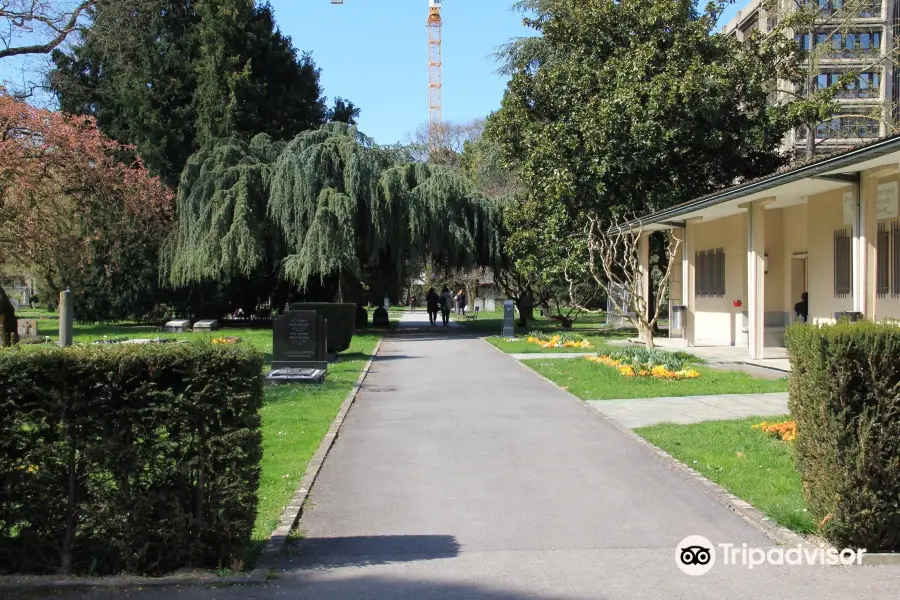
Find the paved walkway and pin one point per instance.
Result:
(459, 474)
(691, 409)
(419, 319)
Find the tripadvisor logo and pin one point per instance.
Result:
(696, 555)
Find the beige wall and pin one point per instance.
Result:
(716, 321)
(825, 214)
(885, 307)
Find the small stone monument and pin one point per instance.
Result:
(28, 329)
(387, 303)
(490, 305)
(66, 318)
(299, 347)
(509, 319)
(178, 326)
(207, 325)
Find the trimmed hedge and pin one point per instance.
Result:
(845, 396)
(143, 459)
(341, 322)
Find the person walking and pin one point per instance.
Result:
(446, 302)
(461, 302)
(432, 300)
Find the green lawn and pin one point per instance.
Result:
(521, 346)
(593, 381)
(295, 418)
(593, 326)
(748, 463)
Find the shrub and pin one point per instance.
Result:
(341, 322)
(142, 459)
(845, 397)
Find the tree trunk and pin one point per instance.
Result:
(646, 334)
(9, 327)
(525, 304)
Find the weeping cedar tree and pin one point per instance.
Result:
(329, 205)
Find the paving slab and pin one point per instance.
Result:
(691, 409)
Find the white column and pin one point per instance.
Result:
(756, 293)
(644, 270)
(687, 282)
(860, 252)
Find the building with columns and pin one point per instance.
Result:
(830, 227)
(858, 36)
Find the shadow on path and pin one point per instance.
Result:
(361, 551)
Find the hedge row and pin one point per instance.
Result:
(845, 396)
(137, 459)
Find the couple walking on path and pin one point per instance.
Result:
(435, 302)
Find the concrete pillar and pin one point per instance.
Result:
(860, 252)
(66, 318)
(644, 270)
(756, 292)
(687, 283)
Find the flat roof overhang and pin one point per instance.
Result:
(787, 188)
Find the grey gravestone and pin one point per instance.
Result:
(178, 326)
(387, 303)
(66, 318)
(509, 319)
(207, 325)
(28, 329)
(299, 346)
(490, 305)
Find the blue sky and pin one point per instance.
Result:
(374, 52)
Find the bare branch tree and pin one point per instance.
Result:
(39, 26)
(451, 140)
(615, 265)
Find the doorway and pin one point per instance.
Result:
(798, 281)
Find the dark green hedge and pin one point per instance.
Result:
(845, 396)
(341, 322)
(139, 459)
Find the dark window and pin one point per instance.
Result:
(850, 43)
(842, 263)
(710, 273)
(802, 41)
(887, 259)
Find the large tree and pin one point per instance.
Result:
(638, 104)
(62, 189)
(171, 76)
(630, 106)
(329, 206)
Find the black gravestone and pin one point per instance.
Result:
(299, 346)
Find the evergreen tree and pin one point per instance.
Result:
(328, 206)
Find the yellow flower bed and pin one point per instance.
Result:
(786, 430)
(556, 342)
(658, 371)
(224, 341)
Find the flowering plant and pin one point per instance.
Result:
(786, 430)
(566, 340)
(644, 370)
(224, 341)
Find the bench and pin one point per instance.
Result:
(472, 316)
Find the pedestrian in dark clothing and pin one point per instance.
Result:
(432, 302)
(801, 309)
(446, 302)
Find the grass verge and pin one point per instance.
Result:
(748, 463)
(592, 381)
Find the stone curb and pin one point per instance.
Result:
(268, 559)
(743, 509)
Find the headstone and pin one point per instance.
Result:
(299, 347)
(509, 319)
(207, 325)
(387, 303)
(178, 326)
(66, 318)
(490, 305)
(28, 329)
